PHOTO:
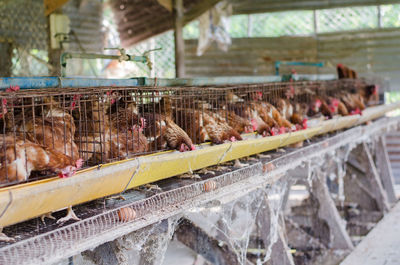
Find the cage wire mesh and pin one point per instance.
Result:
(98, 125)
(23, 38)
(163, 60)
(51, 245)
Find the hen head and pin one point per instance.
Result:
(184, 147)
(356, 111)
(316, 105)
(112, 96)
(70, 170)
(304, 124)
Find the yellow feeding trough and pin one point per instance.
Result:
(25, 201)
(375, 112)
(338, 123)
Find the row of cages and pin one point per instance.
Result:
(59, 131)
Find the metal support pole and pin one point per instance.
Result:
(379, 16)
(178, 36)
(5, 59)
(53, 54)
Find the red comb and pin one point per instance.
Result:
(79, 163)
(12, 89)
(375, 91)
(304, 123)
(254, 124)
(318, 103)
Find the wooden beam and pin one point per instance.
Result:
(51, 5)
(365, 189)
(384, 169)
(200, 242)
(5, 59)
(53, 54)
(280, 252)
(339, 238)
(178, 36)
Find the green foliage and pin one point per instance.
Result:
(390, 15)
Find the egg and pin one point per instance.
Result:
(126, 214)
(210, 185)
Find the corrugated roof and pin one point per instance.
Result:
(138, 20)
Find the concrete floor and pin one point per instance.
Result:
(382, 245)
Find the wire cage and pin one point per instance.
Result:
(48, 131)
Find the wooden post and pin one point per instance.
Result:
(178, 36)
(384, 169)
(362, 184)
(280, 252)
(53, 54)
(5, 59)
(338, 238)
(205, 245)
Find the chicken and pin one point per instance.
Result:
(251, 113)
(54, 128)
(269, 112)
(103, 142)
(284, 107)
(239, 124)
(345, 72)
(161, 128)
(353, 102)
(319, 105)
(125, 116)
(342, 110)
(166, 133)
(232, 98)
(336, 106)
(202, 126)
(176, 138)
(293, 112)
(20, 157)
(369, 93)
(299, 115)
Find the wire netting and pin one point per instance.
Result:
(351, 18)
(301, 22)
